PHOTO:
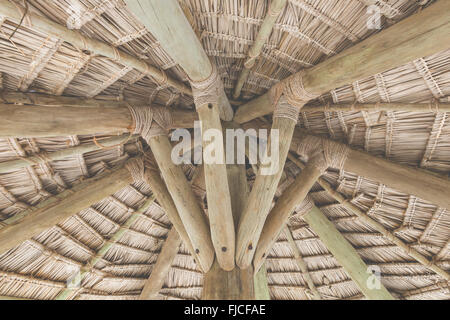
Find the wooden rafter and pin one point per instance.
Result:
(185, 48)
(414, 37)
(55, 209)
(49, 27)
(273, 11)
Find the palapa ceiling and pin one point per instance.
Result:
(306, 33)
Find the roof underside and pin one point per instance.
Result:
(306, 33)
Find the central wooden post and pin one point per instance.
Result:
(237, 284)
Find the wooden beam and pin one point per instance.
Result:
(237, 284)
(101, 252)
(421, 183)
(46, 26)
(43, 157)
(57, 208)
(434, 106)
(261, 196)
(291, 198)
(169, 25)
(162, 266)
(44, 121)
(274, 10)
(346, 255)
(158, 187)
(193, 218)
(302, 264)
(362, 216)
(414, 37)
(262, 291)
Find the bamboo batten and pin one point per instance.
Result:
(273, 11)
(184, 47)
(43, 157)
(434, 106)
(49, 27)
(379, 53)
(159, 272)
(302, 264)
(379, 227)
(48, 213)
(85, 270)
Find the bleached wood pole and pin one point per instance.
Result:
(169, 25)
(263, 191)
(46, 26)
(433, 106)
(159, 188)
(193, 218)
(419, 182)
(116, 236)
(52, 211)
(302, 264)
(274, 10)
(162, 266)
(42, 157)
(414, 37)
(237, 284)
(408, 249)
(347, 256)
(45, 121)
(292, 197)
(262, 291)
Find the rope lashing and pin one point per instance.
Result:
(323, 152)
(295, 94)
(151, 122)
(207, 91)
(136, 168)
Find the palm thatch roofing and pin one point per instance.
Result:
(306, 33)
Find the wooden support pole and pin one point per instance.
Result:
(100, 253)
(346, 255)
(46, 26)
(44, 121)
(169, 25)
(42, 157)
(415, 181)
(408, 249)
(162, 266)
(302, 265)
(60, 207)
(159, 188)
(414, 37)
(261, 197)
(284, 207)
(434, 106)
(237, 284)
(274, 10)
(262, 291)
(191, 215)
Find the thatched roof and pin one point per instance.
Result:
(306, 33)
